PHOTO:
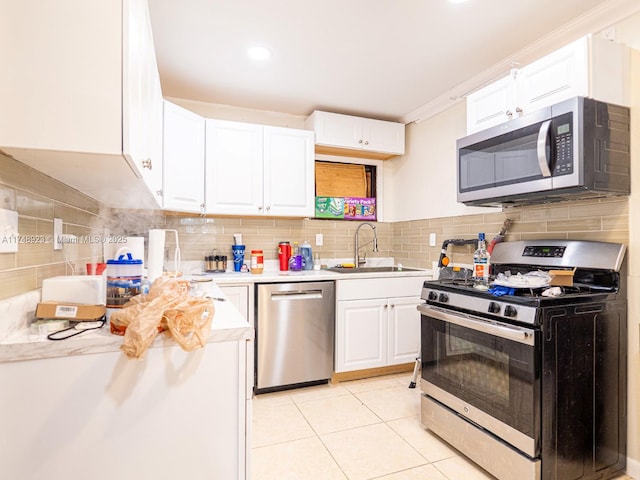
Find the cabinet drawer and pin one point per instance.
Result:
(366, 288)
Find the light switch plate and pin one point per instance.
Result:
(319, 239)
(432, 239)
(8, 231)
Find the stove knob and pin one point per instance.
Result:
(433, 296)
(494, 307)
(443, 298)
(510, 311)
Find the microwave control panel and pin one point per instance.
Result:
(563, 134)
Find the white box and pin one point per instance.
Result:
(84, 289)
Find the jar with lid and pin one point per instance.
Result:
(209, 263)
(221, 263)
(257, 261)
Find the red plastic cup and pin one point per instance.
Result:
(96, 268)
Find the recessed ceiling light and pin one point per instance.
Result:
(259, 53)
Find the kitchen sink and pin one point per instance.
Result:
(373, 269)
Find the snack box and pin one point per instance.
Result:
(71, 311)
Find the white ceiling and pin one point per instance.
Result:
(376, 58)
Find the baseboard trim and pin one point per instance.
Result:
(371, 372)
(633, 468)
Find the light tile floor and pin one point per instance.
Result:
(364, 429)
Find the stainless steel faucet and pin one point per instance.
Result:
(356, 256)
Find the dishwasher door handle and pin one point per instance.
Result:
(297, 295)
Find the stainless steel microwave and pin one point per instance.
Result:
(578, 148)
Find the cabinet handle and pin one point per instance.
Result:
(509, 114)
(393, 306)
(519, 111)
(268, 208)
(159, 193)
(260, 209)
(360, 141)
(386, 306)
(366, 142)
(146, 163)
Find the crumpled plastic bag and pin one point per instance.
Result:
(166, 306)
(534, 279)
(190, 322)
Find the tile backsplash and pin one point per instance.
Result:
(39, 199)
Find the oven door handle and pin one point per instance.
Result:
(517, 334)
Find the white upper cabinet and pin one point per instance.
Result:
(184, 142)
(289, 172)
(142, 98)
(589, 67)
(258, 170)
(346, 135)
(234, 168)
(79, 95)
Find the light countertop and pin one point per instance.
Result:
(228, 325)
(303, 276)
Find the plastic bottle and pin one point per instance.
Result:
(481, 264)
(307, 255)
(295, 262)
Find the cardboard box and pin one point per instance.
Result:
(330, 207)
(72, 311)
(561, 278)
(359, 208)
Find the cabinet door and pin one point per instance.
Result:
(183, 160)
(361, 335)
(62, 84)
(239, 296)
(556, 77)
(337, 130)
(152, 171)
(381, 136)
(490, 105)
(148, 159)
(404, 330)
(234, 171)
(288, 172)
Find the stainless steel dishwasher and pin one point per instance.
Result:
(294, 334)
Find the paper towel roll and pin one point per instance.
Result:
(155, 263)
(135, 245)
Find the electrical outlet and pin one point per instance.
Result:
(57, 234)
(9, 237)
(319, 239)
(432, 239)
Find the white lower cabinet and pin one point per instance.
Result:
(239, 296)
(361, 335)
(172, 414)
(377, 322)
(403, 329)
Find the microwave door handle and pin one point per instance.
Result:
(543, 161)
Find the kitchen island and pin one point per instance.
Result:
(79, 408)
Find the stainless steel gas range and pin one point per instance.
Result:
(526, 385)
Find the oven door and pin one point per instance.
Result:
(486, 371)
